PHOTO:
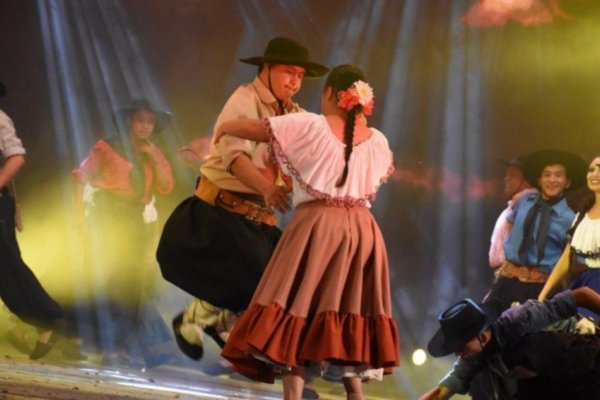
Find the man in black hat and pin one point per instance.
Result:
(20, 290)
(547, 364)
(515, 187)
(535, 231)
(539, 223)
(216, 244)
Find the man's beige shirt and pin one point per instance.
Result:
(251, 100)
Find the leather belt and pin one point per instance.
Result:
(523, 273)
(227, 200)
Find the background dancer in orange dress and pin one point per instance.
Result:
(126, 173)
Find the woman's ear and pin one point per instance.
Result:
(328, 93)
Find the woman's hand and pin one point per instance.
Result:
(148, 150)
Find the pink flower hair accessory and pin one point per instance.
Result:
(359, 93)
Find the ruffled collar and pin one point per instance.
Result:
(586, 241)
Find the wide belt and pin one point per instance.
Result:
(524, 273)
(227, 200)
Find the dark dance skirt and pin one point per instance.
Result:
(589, 277)
(214, 254)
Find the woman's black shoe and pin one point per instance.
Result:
(41, 348)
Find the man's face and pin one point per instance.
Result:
(513, 180)
(593, 175)
(554, 181)
(471, 349)
(286, 80)
(141, 124)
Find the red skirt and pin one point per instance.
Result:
(324, 297)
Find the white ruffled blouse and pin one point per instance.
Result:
(310, 153)
(586, 241)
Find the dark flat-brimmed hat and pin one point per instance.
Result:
(2, 89)
(281, 50)
(536, 162)
(461, 323)
(518, 162)
(163, 118)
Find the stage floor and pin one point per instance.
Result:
(24, 379)
(53, 377)
(21, 378)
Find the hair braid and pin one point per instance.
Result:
(341, 78)
(348, 139)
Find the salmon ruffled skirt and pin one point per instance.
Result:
(323, 298)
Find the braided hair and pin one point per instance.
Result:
(341, 78)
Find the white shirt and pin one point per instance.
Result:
(313, 156)
(10, 144)
(586, 241)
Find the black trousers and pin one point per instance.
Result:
(20, 290)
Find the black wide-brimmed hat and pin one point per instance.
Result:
(281, 50)
(461, 323)
(2, 89)
(163, 118)
(536, 162)
(517, 161)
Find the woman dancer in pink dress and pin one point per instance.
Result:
(324, 298)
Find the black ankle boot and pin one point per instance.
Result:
(193, 351)
(41, 348)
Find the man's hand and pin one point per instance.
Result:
(437, 393)
(585, 327)
(276, 197)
